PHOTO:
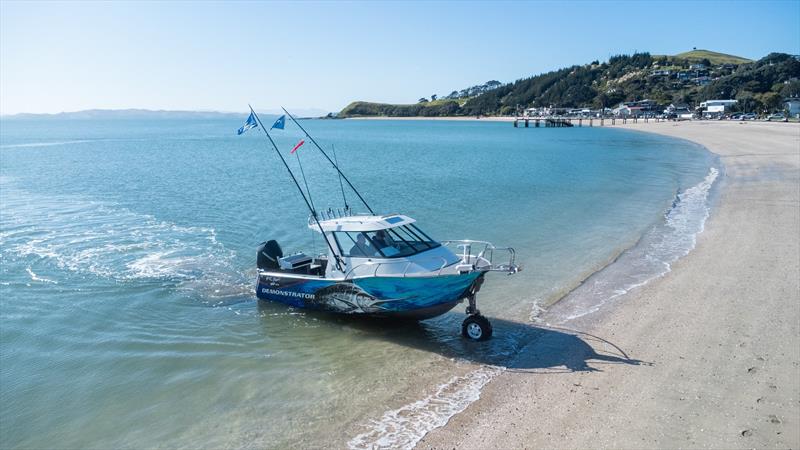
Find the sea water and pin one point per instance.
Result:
(127, 269)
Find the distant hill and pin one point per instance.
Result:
(125, 114)
(111, 114)
(714, 57)
(686, 78)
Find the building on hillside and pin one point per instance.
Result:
(660, 73)
(697, 66)
(715, 108)
(702, 81)
(792, 105)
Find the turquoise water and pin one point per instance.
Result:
(127, 253)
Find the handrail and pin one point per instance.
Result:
(466, 255)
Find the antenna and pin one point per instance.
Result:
(335, 166)
(333, 147)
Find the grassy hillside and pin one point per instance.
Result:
(714, 57)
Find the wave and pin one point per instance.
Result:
(406, 426)
(107, 241)
(35, 277)
(652, 257)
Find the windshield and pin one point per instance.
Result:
(397, 242)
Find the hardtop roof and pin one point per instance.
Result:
(362, 223)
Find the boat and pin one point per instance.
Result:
(378, 265)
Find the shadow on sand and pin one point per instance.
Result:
(514, 345)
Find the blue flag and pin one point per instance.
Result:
(251, 123)
(279, 123)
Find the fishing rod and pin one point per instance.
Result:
(308, 190)
(310, 208)
(335, 166)
(304, 179)
(346, 207)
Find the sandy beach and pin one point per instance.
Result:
(707, 356)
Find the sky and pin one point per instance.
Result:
(69, 56)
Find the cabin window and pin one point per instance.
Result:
(395, 242)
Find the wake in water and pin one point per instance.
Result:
(46, 144)
(100, 239)
(649, 259)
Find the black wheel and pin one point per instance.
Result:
(476, 327)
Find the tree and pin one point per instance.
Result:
(772, 101)
(791, 89)
(422, 100)
(433, 97)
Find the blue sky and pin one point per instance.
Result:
(67, 56)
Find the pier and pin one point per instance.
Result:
(547, 122)
(568, 122)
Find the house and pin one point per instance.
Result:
(630, 109)
(646, 105)
(792, 105)
(622, 110)
(678, 111)
(702, 81)
(713, 108)
(697, 66)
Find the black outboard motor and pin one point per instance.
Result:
(268, 254)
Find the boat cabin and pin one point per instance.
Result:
(368, 245)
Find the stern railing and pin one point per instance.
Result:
(484, 260)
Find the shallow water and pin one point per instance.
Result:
(127, 253)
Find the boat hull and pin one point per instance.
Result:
(390, 297)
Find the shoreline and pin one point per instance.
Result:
(682, 391)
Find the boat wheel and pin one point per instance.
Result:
(476, 327)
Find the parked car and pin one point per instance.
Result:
(748, 116)
(779, 117)
(736, 116)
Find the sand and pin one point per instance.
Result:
(707, 356)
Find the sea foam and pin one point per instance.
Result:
(104, 240)
(406, 426)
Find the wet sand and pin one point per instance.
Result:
(705, 356)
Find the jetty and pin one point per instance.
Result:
(568, 122)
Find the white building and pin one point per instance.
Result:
(716, 107)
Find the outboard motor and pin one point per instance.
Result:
(268, 254)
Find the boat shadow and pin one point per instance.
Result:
(515, 345)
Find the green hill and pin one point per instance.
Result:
(714, 57)
(761, 85)
(428, 109)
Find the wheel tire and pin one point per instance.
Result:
(477, 328)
